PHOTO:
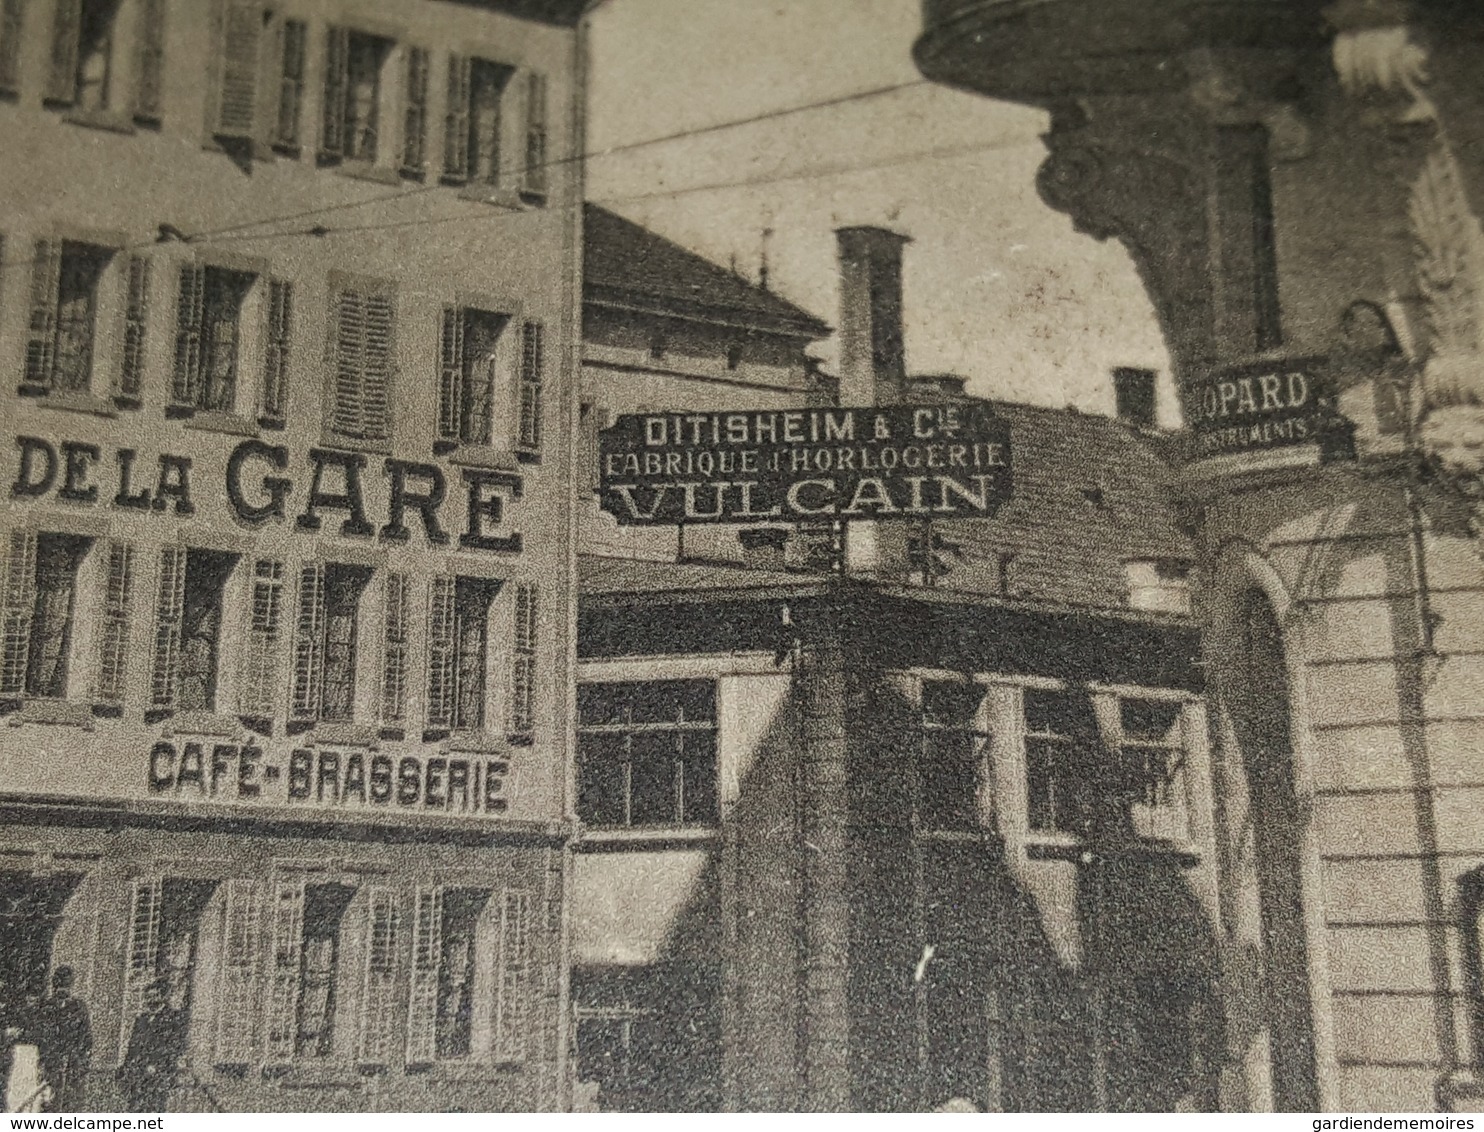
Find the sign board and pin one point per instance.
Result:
(888, 463)
(1261, 405)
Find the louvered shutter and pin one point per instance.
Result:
(237, 988)
(394, 650)
(422, 1003)
(276, 356)
(41, 344)
(513, 992)
(242, 44)
(136, 312)
(141, 961)
(309, 643)
(535, 179)
(415, 120)
(350, 348)
(284, 972)
(378, 1037)
(532, 362)
(20, 605)
(150, 60)
(456, 119)
(292, 36)
(451, 373)
(190, 312)
(523, 663)
(260, 667)
(168, 614)
(440, 652)
(66, 26)
(337, 85)
(11, 12)
(376, 378)
(114, 631)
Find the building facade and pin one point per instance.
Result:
(1300, 186)
(287, 334)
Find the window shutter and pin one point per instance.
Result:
(378, 1010)
(415, 121)
(260, 669)
(136, 311)
(292, 35)
(532, 360)
(114, 641)
(451, 373)
(441, 652)
(168, 616)
(377, 374)
(422, 1003)
(337, 85)
(11, 12)
(150, 60)
(523, 663)
(142, 959)
(350, 339)
(456, 119)
(283, 977)
(41, 345)
(394, 650)
(190, 311)
(363, 364)
(237, 988)
(276, 358)
(309, 643)
(242, 40)
(535, 181)
(66, 26)
(513, 993)
(20, 603)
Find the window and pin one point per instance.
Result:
(64, 307)
(534, 187)
(1151, 765)
(415, 117)
(164, 929)
(471, 140)
(40, 599)
(352, 96)
(305, 962)
(950, 771)
(188, 628)
(1061, 745)
(259, 96)
(470, 351)
(11, 20)
(325, 642)
(647, 753)
(362, 351)
(523, 665)
(208, 336)
(149, 61)
(113, 651)
(458, 647)
(532, 362)
(292, 35)
(264, 629)
(84, 59)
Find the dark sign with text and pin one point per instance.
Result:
(895, 462)
(1261, 405)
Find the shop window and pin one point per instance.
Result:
(354, 66)
(40, 603)
(301, 1006)
(188, 628)
(325, 642)
(65, 278)
(471, 364)
(458, 652)
(471, 142)
(647, 753)
(361, 346)
(950, 771)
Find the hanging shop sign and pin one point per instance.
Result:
(1263, 405)
(889, 463)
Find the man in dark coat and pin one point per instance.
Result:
(64, 1044)
(156, 1045)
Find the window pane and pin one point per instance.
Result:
(698, 784)
(57, 558)
(1058, 712)
(601, 703)
(343, 586)
(654, 778)
(220, 335)
(602, 789)
(950, 704)
(455, 1017)
(76, 313)
(948, 780)
(1151, 721)
(1047, 787)
(363, 95)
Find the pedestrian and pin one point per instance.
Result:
(156, 1045)
(64, 1039)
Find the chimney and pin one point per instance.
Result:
(1133, 395)
(872, 357)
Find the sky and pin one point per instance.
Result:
(998, 287)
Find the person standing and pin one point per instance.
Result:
(156, 1044)
(64, 1039)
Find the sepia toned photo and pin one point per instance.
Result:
(742, 556)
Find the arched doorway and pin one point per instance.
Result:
(1262, 720)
